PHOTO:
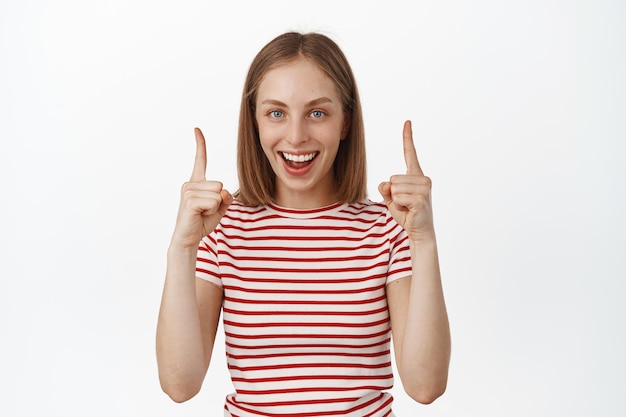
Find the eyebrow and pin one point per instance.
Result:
(315, 102)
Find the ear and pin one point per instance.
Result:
(346, 126)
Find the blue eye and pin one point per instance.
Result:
(317, 114)
(277, 114)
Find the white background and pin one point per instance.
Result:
(518, 111)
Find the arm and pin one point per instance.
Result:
(419, 322)
(187, 324)
(419, 319)
(190, 307)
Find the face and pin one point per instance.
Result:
(301, 123)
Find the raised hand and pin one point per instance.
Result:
(202, 202)
(408, 196)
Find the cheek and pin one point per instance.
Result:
(268, 132)
(268, 140)
(330, 135)
(267, 149)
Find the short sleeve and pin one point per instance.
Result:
(207, 266)
(399, 251)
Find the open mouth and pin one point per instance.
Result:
(299, 161)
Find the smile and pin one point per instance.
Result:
(299, 158)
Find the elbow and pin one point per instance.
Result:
(426, 394)
(425, 384)
(425, 397)
(180, 393)
(179, 384)
(180, 396)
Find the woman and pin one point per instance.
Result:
(311, 276)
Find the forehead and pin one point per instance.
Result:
(298, 79)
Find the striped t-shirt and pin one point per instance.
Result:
(305, 312)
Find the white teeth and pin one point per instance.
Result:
(298, 158)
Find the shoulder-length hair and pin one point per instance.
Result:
(256, 177)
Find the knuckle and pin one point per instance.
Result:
(187, 193)
(189, 202)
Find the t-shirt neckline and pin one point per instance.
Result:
(305, 213)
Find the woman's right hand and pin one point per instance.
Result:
(202, 203)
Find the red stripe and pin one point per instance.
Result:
(306, 302)
(305, 324)
(291, 291)
(308, 313)
(308, 366)
(206, 271)
(308, 336)
(301, 402)
(304, 238)
(315, 354)
(305, 281)
(359, 211)
(304, 249)
(350, 217)
(316, 389)
(299, 270)
(312, 378)
(407, 270)
(237, 207)
(320, 227)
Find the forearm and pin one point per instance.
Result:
(180, 352)
(426, 343)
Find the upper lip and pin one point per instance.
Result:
(298, 152)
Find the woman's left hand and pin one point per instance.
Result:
(408, 196)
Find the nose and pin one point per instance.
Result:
(296, 133)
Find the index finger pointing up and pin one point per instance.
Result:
(410, 155)
(199, 167)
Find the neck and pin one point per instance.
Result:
(305, 200)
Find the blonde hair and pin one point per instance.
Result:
(256, 177)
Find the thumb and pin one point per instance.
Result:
(384, 188)
(227, 199)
